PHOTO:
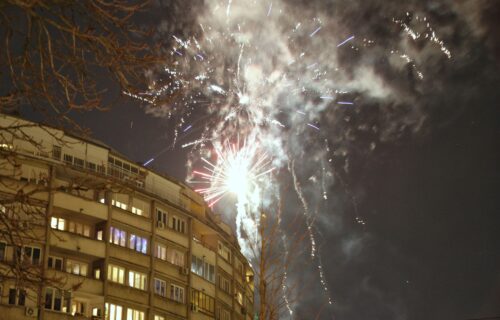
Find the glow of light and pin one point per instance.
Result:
(345, 102)
(149, 161)
(345, 41)
(313, 126)
(314, 32)
(187, 128)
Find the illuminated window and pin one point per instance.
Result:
(161, 218)
(79, 228)
(133, 314)
(117, 236)
(202, 301)
(137, 243)
(112, 311)
(224, 252)
(76, 267)
(57, 223)
(116, 274)
(137, 280)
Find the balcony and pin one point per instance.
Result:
(129, 293)
(79, 284)
(73, 242)
(76, 204)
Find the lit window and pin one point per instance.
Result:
(77, 307)
(116, 274)
(76, 267)
(137, 243)
(133, 314)
(117, 236)
(57, 223)
(157, 317)
(202, 301)
(177, 293)
(161, 251)
(137, 211)
(112, 311)
(239, 297)
(160, 287)
(79, 228)
(137, 280)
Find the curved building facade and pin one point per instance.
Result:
(89, 234)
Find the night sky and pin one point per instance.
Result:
(425, 183)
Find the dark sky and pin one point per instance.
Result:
(430, 248)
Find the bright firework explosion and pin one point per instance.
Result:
(269, 73)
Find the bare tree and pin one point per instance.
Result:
(58, 56)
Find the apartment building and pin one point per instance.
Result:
(89, 234)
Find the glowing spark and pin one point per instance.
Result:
(345, 102)
(217, 89)
(315, 31)
(270, 8)
(326, 97)
(149, 161)
(345, 41)
(313, 126)
(187, 128)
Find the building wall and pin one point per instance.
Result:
(103, 243)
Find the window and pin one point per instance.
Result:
(112, 311)
(157, 317)
(161, 218)
(117, 236)
(97, 273)
(55, 263)
(3, 246)
(116, 274)
(133, 314)
(76, 267)
(31, 254)
(160, 287)
(68, 158)
(79, 228)
(175, 257)
(77, 307)
(178, 224)
(57, 223)
(177, 293)
(137, 280)
(161, 251)
(57, 300)
(202, 301)
(137, 211)
(120, 200)
(17, 296)
(56, 152)
(202, 268)
(78, 162)
(137, 243)
(224, 252)
(224, 284)
(222, 314)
